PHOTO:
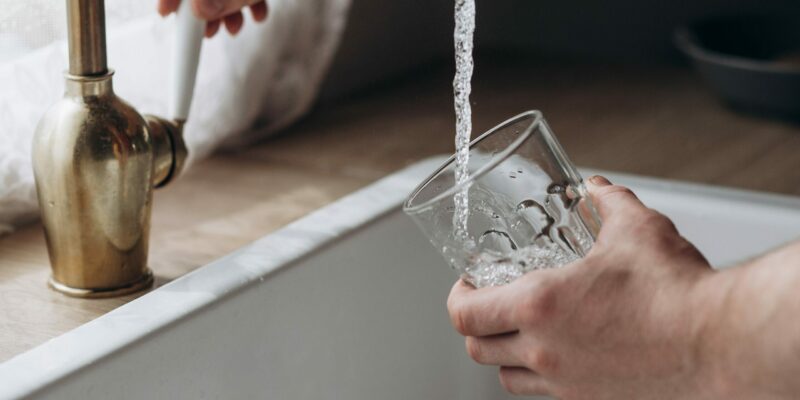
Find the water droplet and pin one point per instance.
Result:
(51, 203)
(543, 219)
(528, 204)
(556, 188)
(497, 240)
(563, 234)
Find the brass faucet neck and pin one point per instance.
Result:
(86, 24)
(89, 86)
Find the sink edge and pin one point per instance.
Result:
(33, 371)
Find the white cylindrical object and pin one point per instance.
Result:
(188, 41)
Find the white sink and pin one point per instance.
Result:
(347, 303)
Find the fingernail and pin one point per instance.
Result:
(162, 10)
(211, 8)
(598, 180)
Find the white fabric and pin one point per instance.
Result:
(268, 74)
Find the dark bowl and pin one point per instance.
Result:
(752, 62)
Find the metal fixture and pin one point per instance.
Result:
(96, 162)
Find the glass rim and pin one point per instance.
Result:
(410, 209)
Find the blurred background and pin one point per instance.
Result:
(322, 80)
(607, 75)
(389, 38)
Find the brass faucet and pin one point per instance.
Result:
(96, 162)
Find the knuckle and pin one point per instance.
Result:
(609, 192)
(508, 382)
(474, 349)
(543, 362)
(648, 223)
(451, 304)
(525, 310)
(539, 305)
(677, 246)
(459, 318)
(687, 249)
(658, 220)
(660, 230)
(204, 9)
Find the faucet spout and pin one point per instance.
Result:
(169, 149)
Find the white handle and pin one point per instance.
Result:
(188, 41)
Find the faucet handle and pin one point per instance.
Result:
(188, 42)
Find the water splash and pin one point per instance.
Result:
(491, 270)
(530, 235)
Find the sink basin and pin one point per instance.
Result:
(346, 303)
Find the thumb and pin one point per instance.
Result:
(610, 199)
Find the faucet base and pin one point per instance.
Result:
(144, 283)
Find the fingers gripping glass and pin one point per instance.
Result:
(528, 207)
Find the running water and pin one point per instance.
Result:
(462, 87)
(548, 238)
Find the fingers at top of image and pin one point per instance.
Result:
(166, 7)
(259, 11)
(216, 9)
(219, 12)
(213, 9)
(212, 27)
(234, 22)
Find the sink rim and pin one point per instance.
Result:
(44, 365)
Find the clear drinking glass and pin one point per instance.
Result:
(528, 207)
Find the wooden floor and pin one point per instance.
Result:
(658, 122)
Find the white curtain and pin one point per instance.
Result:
(269, 73)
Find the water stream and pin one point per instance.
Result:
(462, 87)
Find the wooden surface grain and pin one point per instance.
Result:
(657, 122)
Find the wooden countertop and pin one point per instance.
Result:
(658, 122)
